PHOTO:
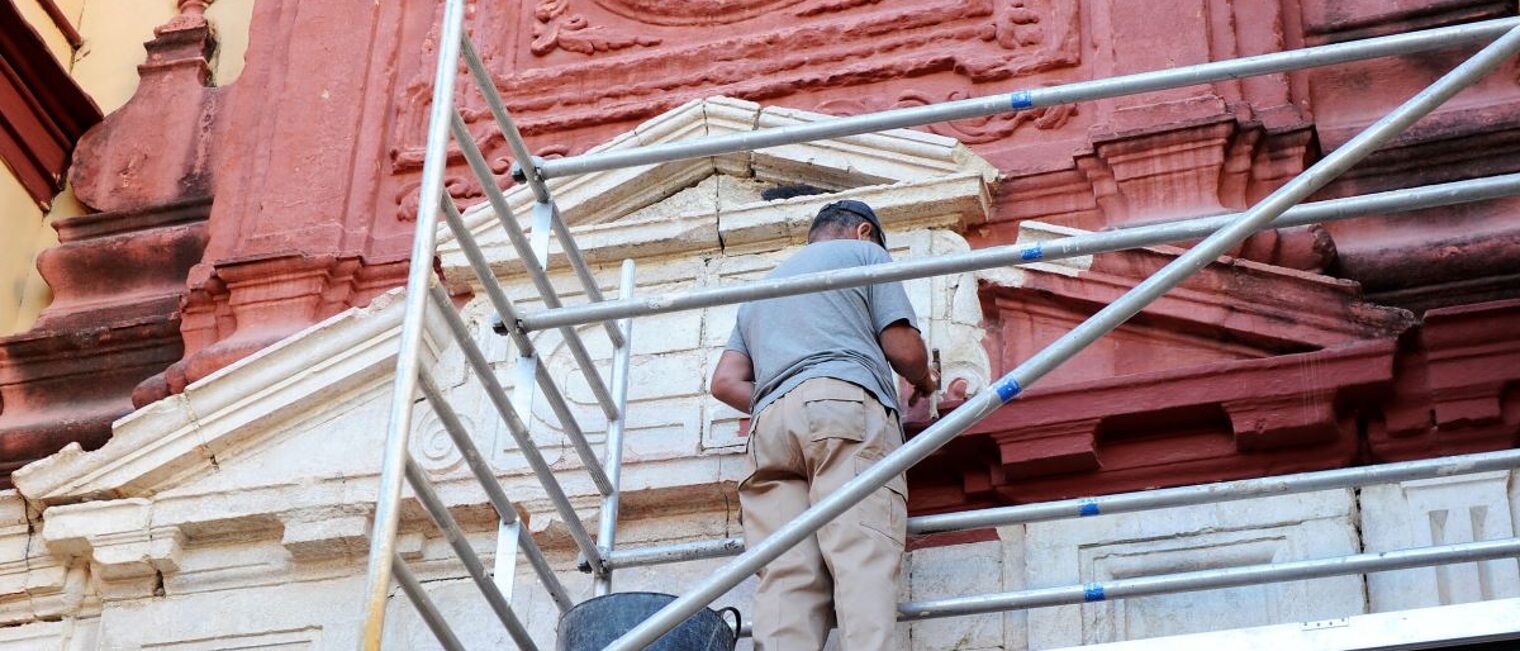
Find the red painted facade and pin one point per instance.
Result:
(1367, 340)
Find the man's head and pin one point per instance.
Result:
(847, 220)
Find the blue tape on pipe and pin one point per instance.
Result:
(1033, 252)
(1008, 390)
(1020, 100)
(1087, 508)
(1093, 592)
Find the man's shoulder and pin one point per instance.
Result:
(835, 253)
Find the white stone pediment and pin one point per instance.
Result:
(911, 178)
(173, 441)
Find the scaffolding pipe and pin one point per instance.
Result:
(439, 512)
(424, 605)
(1203, 580)
(1073, 342)
(541, 193)
(606, 536)
(504, 121)
(498, 497)
(419, 277)
(482, 268)
(1082, 91)
(578, 263)
(529, 258)
(1213, 579)
(505, 309)
(1161, 498)
(515, 425)
(1430, 196)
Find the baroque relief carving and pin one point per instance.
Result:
(794, 47)
(555, 29)
(972, 132)
(692, 12)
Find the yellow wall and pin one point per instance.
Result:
(105, 66)
(33, 13)
(23, 225)
(231, 18)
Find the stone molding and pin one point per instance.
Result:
(891, 170)
(235, 407)
(117, 276)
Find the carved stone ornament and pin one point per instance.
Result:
(555, 29)
(592, 66)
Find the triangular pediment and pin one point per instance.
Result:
(172, 442)
(912, 179)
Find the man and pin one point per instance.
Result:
(816, 372)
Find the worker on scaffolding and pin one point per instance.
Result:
(815, 370)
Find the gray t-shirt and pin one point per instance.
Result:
(829, 334)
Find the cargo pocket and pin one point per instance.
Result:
(836, 410)
(751, 463)
(885, 511)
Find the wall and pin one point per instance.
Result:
(251, 492)
(105, 66)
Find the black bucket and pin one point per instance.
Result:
(596, 623)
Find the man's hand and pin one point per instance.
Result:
(925, 387)
(906, 352)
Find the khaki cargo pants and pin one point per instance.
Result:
(802, 447)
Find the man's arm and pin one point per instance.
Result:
(733, 382)
(910, 358)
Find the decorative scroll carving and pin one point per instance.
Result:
(693, 12)
(432, 446)
(554, 29)
(795, 48)
(1017, 26)
(976, 131)
(831, 6)
(1044, 37)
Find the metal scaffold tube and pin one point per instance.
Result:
(1213, 579)
(516, 426)
(530, 261)
(578, 263)
(978, 107)
(497, 496)
(419, 278)
(439, 513)
(1227, 491)
(425, 606)
(536, 183)
(606, 536)
(1228, 577)
(482, 268)
(504, 121)
(1073, 342)
(1430, 196)
(506, 310)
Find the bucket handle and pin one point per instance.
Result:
(738, 618)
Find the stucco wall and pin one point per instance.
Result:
(251, 491)
(105, 66)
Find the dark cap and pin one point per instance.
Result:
(863, 211)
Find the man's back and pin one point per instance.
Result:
(825, 334)
(816, 373)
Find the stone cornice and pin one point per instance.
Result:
(181, 436)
